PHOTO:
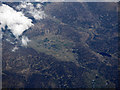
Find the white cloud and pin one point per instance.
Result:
(39, 6)
(15, 21)
(42, 1)
(25, 40)
(14, 49)
(36, 12)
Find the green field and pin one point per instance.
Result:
(56, 46)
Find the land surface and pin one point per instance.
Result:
(75, 46)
